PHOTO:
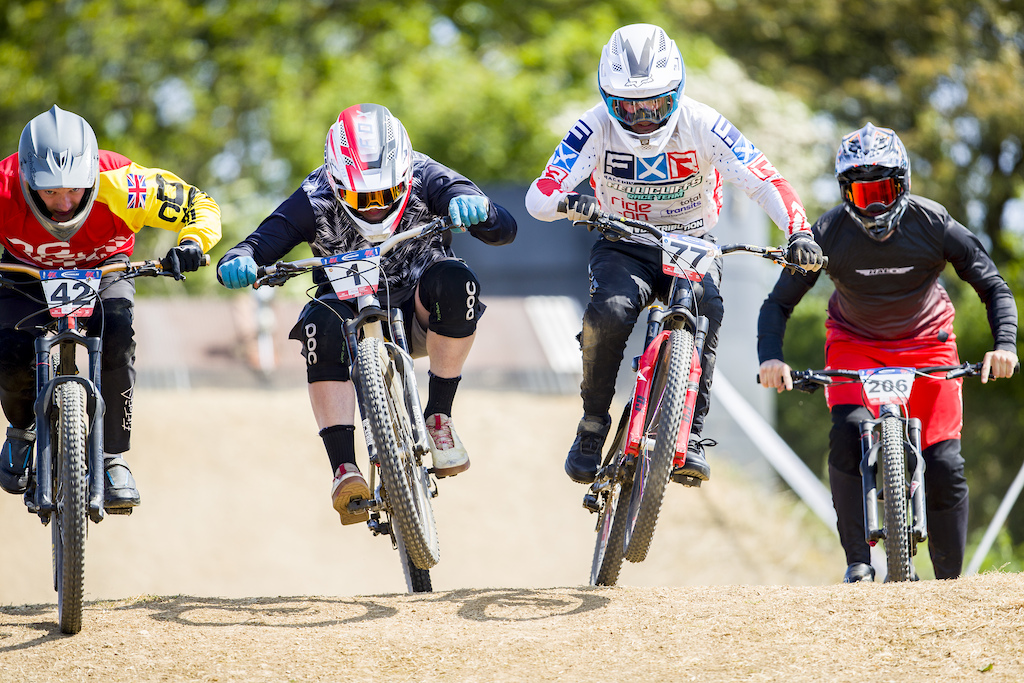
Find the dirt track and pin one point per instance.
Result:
(739, 584)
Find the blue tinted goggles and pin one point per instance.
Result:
(652, 109)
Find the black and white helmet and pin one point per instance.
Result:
(873, 171)
(641, 78)
(58, 150)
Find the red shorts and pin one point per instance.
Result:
(938, 403)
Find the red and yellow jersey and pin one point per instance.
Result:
(129, 198)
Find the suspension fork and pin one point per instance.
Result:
(913, 448)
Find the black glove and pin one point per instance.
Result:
(580, 207)
(804, 251)
(184, 258)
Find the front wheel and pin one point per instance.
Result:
(894, 493)
(406, 481)
(658, 442)
(611, 521)
(71, 489)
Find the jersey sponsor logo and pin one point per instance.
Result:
(690, 206)
(659, 168)
(60, 255)
(556, 173)
(620, 165)
(564, 157)
(660, 192)
(726, 131)
(902, 270)
(743, 149)
(578, 136)
(762, 168)
(136, 190)
(652, 169)
(682, 164)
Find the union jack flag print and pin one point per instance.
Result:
(136, 191)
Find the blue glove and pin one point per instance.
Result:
(238, 272)
(466, 210)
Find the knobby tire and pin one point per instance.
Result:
(654, 465)
(405, 480)
(71, 498)
(894, 493)
(611, 521)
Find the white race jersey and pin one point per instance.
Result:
(680, 186)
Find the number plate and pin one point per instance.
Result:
(887, 385)
(71, 292)
(355, 273)
(687, 257)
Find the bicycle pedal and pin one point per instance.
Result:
(590, 503)
(119, 511)
(686, 481)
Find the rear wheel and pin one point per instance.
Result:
(406, 480)
(71, 488)
(894, 493)
(658, 444)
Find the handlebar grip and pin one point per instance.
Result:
(206, 260)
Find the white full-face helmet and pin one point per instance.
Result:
(641, 78)
(368, 160)
(58, 150)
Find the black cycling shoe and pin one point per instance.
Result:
(15, 458)
(585, 455)
(119, 485)
(859, 571)
(696, 466)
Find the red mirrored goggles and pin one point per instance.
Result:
(864, 193)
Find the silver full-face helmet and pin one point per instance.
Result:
(58, 150)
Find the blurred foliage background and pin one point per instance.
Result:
(236, 98)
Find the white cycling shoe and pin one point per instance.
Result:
(349, 487)
(450, 457)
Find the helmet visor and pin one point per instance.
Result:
(882, 192)
(652, 109)
(378, 199)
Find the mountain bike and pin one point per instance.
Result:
(654, 429)
(892, 442)
(388, 401)
(65, 483)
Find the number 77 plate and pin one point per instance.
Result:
(354, 273)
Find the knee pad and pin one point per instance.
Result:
(450, 291)
(844, 438)
(118, 333)
(321, 331)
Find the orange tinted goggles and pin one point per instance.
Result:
(865, 193)
(379, 199)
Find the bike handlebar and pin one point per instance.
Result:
(615, 227)
(278, 273)
(150, 267)
(809, 380)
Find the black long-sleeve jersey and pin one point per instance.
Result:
(890, 290)
(312, 214)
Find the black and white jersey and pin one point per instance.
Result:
(312, 214)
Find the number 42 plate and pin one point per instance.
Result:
(71, 292)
